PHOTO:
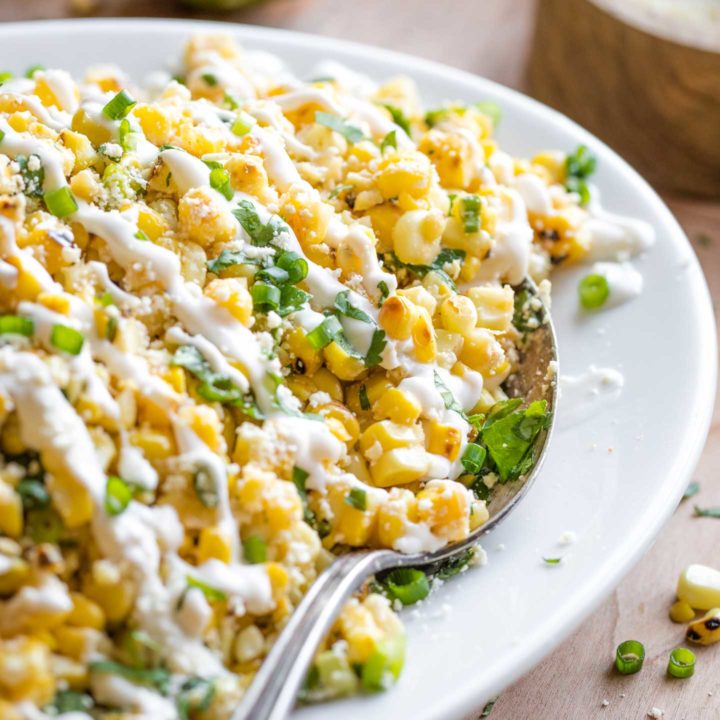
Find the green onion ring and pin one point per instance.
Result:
(681, 663)
(629, 657)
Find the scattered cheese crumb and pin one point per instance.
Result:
(568, 538)
(656, 713)
(605, 702)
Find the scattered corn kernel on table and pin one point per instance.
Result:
(492, 38)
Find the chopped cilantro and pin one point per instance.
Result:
(448, 398)
(357, 498)
(389, 141)
(346, 308)
(399, 118)
(351, 133)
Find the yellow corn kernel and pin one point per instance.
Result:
(389, 435)
(681, 612)
(8, 711)
(97, 134)
(306, 214)
(393, 516)
(233, 295)
(383, 219)
(302, 387)
(85, 613)
(494, 305)
(11, 512)
(325, 381)
(14, 576)
(482, 352)
(248, 175)
(416, 236)
(341, 363)
(10, 437)
(423, 336)
(175, 377)
(203, 217)
(282, 506)
(151, 223)
(55, 302)
(85, 185)
(553, 163)
(359, 628)
(279, 581)
(299, 346)
(397, 316)
(75, 642)
(47, 96)
(25, 672)
(458, 314)
(699, 586)
(706, 630)
(351, 525)
(398, 406)
(444, 506)
(404, 175)
(27, 286)
(155, 444)
(214, 543)
(348, 429)
(205, 423)
(69, 496)
(479, 514)
(454, 157)
(114, 596)
(400, 466)
(421, 297)
(443, 440)
(81, 148)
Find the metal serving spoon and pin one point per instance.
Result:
(272, 694)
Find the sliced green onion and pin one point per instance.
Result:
(384, 290)
(593, 290)
(209, 79)
(470, 213)
(141, 235)
(581, 163)
(408, 585)
(67, 339)
(389, 141)
(119, 106)
(206, 487)
(399, 118)
(33, 493)
(255, 550)
(243, 124)
(69, 701)
(2, 135)
(16, 325)
(681, 663)
(357, 498)
(118, 495)
(208, 591)
(294, 265)
(552, 560)
(220, 181)
(491, 109)
(629, 657)
(265, 297)
(44, 525)
(61, 202)
(473, 458)
(5, 75)
(127, 136)
(30, 72)
(324, 333)
(385, 663)
(196, 696)
(273, 274)
(158, 677)
(292, 299)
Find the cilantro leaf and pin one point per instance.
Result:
(345, 307)
(510, 435)
(260, 234)
(158, 677)
(399, 118)
(377, 345)
(389, 141)
(448, 398)
(351, 133)
(230, 258)
(713, 512)
(445, 257)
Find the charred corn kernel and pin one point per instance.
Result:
(400, 466)
(421, 297)
(205, 423)
(341, 363)
(346, 422)
(706, 630)
(300, 347)
(479, 514)
(81, 147)
(396, 317)
(14, 575)
(458, 314)
(25, 672)
(416, 236)
(233, 295)
(176, 378)
(70, 497)
(325, 381)
(681, 612)
(393, 516)
(423, 336)
(85, 613)
(204, 218)
(454, 156)
(445, 507)
(214, 543)
(699, 586)
(383, 219)
(397, 405)
(302, 387)
(11, 512)
(155, 444)
(443, 440)
(389, 435)
(494, 305)
(248, 175)
(482, 352)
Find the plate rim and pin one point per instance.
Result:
(468, 697)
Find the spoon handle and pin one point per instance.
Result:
(272, 694)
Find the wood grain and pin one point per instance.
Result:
(655, 101)
(492, 38)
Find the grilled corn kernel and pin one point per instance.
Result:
(398, 406)
(214, 543)
(389, 435)
(325, 381)
(299, 346)
(443, 440)
(458, 314)
(421, 297)
(341, 363)
(25, 672)
(400, 466)
(482, 352)
(681, 612)
(706, 630)
(423, 336)
(699, 586)
(397, 316)
(233, 295)
(494, 305)
(416, 236)
(445, 507)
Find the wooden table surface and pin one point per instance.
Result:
(491, 38)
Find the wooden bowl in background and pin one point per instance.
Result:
(648, 86)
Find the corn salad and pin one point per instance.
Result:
(247, 323)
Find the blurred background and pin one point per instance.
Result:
(644, 75)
